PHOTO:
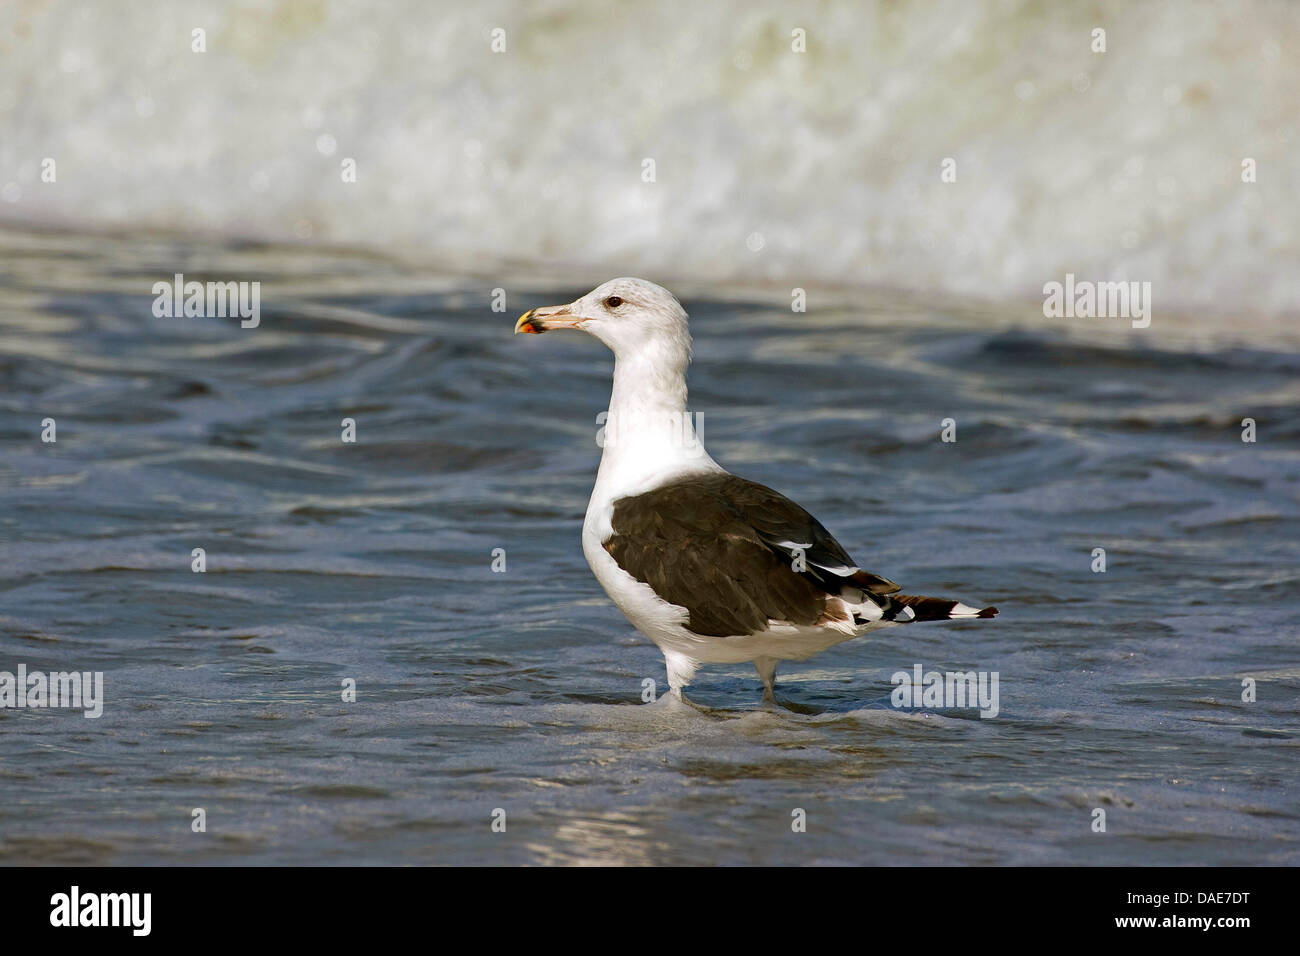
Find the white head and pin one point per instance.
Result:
(635, 318)
(648, 432)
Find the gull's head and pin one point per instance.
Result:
(631, 316)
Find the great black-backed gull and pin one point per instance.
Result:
(711, 567)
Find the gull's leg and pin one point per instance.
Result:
(680, 671)
(766, 667)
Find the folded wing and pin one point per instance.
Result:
(740, 556)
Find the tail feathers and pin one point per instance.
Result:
(941, 609)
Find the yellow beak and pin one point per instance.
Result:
(547, 318)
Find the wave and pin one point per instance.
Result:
(769, 165)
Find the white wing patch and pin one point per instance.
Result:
(842, 570)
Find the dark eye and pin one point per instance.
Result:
(613, 302)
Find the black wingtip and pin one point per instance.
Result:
(988, 612)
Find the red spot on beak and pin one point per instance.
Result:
(525, 324)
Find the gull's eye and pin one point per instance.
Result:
(613, 302)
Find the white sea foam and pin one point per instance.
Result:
(795, 168)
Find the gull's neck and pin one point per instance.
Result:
(650, 437)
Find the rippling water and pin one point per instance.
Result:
(522, 690)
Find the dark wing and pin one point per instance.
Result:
(788, 528)
(725, 549)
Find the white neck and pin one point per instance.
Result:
(649, 434)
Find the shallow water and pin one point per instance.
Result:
(522, 690)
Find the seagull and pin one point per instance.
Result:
(711, 567)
